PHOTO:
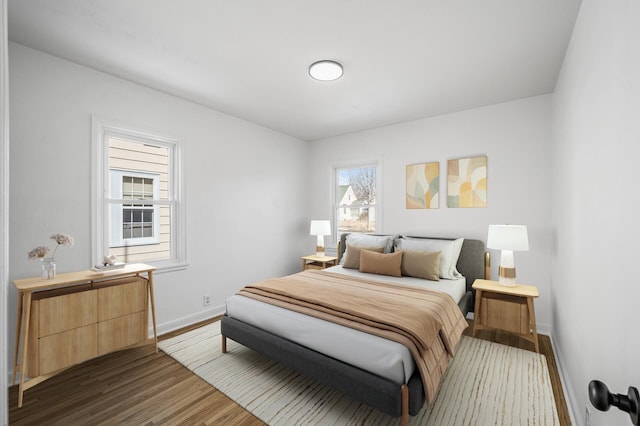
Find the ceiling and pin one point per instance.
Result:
(403, 60)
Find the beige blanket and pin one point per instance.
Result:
(428, 322)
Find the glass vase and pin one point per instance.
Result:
(48, 266)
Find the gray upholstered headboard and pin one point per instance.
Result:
(471, 263)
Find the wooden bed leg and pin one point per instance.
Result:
(224, 344)
(404, 419)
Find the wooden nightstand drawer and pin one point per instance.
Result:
(505, 313)
(318, 262)
(314, 265)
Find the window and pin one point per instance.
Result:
(356, 198)
(138, 213)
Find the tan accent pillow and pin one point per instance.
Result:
(382, 264)
(352, 255)
(421, 264)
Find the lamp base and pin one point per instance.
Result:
(320, 246)
(507, 276)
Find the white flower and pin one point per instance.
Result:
(39, 252)
(64, 239)
(42, 251)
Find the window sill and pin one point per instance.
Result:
(161, 269)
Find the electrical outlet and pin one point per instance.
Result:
(587, 415)
(206, 300)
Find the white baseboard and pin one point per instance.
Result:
(188, 320)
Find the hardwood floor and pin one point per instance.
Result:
(138, 387)
(130, 387)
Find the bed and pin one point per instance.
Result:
(398, 390)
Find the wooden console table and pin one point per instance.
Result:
(77, 316)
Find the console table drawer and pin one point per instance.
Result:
(121, 332)
(65, 349)
(66, 312)
(121, 297)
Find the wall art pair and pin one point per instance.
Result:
(466, 184)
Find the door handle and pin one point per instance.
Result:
(602, 399)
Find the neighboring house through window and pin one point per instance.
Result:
(138, 213)
(356, 197)
(134, 222)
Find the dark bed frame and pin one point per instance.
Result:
(359, 384)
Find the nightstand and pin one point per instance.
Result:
(506, 308)
(318, 262)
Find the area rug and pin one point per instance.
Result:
(486, 384)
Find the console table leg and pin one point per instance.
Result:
(18, 331)
(153, 310)
(26, 311)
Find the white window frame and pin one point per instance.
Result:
(333, 192)
(102, 129)
(115, 210)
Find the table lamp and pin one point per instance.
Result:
(507, 238)
(320, 228)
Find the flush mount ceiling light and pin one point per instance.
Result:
(325, 70)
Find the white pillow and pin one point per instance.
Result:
(368, 240)
(449, 252)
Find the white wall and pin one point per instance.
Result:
(247, 218)
(596, 208)
(515, 136)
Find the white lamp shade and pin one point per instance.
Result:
(320, 227)
(508, 237)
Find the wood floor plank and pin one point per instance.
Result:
(139, 387)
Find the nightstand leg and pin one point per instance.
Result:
(476, 312)
(532, 318)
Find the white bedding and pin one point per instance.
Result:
(371, 353)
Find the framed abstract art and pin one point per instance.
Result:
(467, 182)
(423, 186)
